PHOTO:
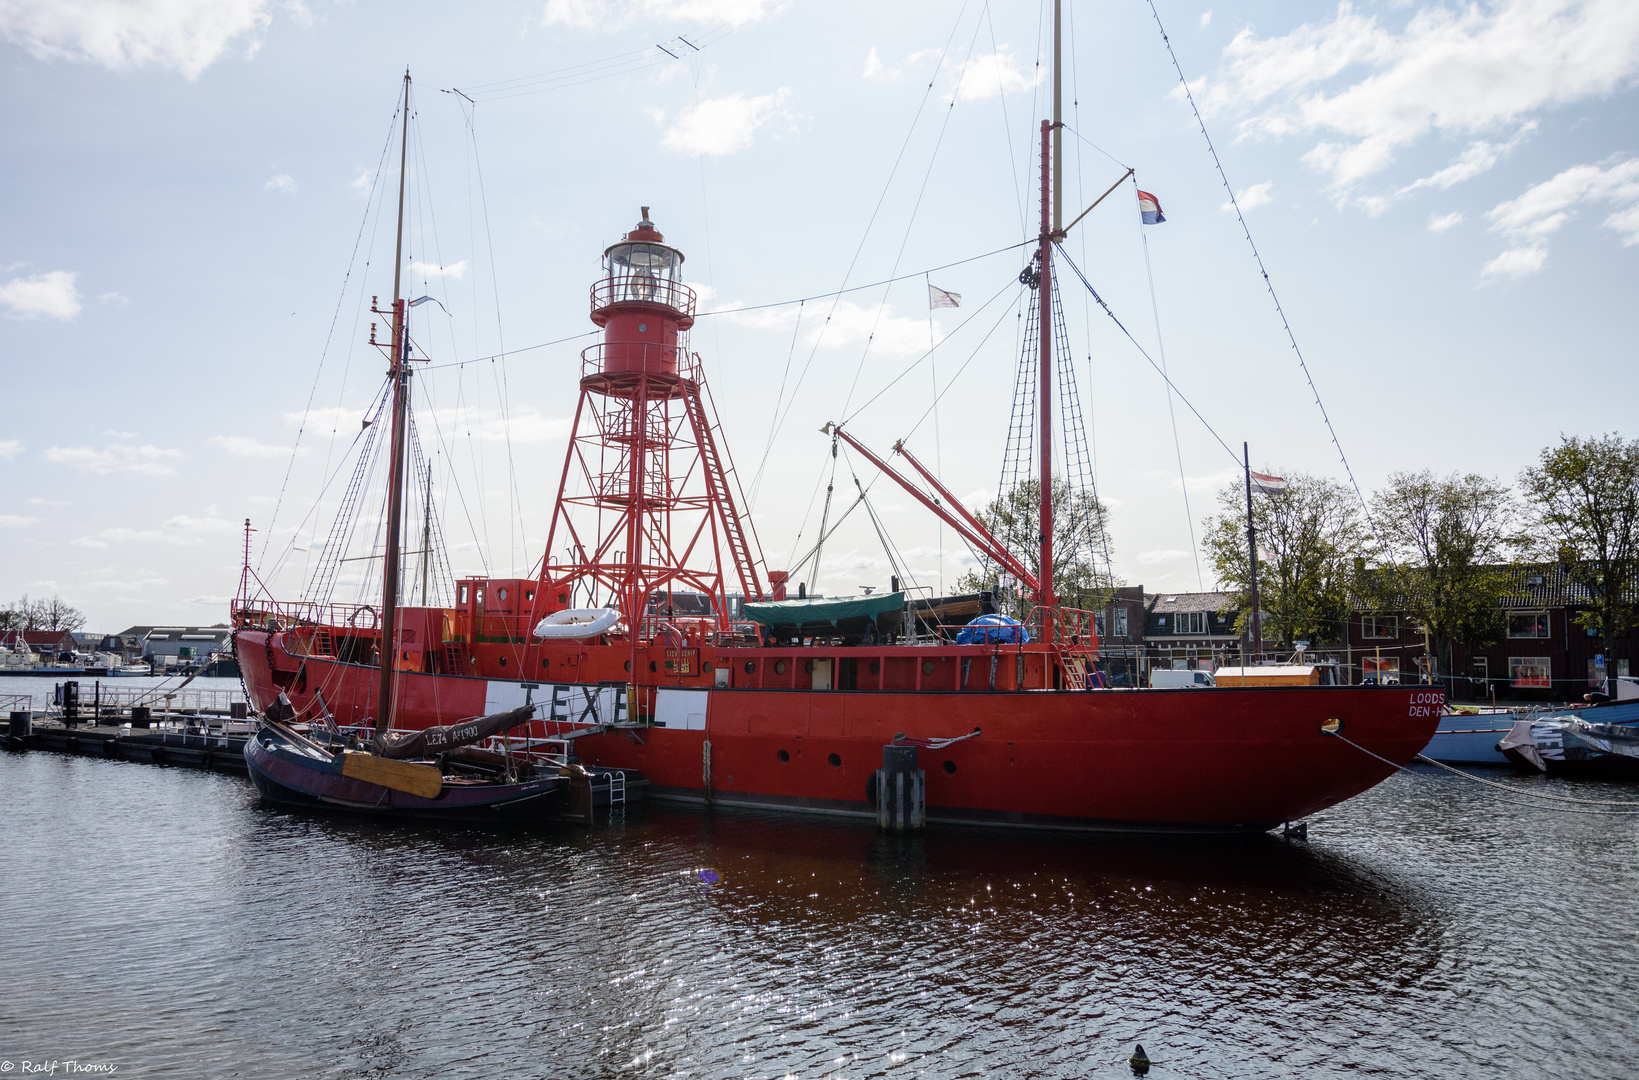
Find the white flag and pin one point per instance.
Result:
(940, 298)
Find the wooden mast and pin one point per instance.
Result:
(388, 650)
(1051, 215)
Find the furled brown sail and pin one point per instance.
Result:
(436, 740)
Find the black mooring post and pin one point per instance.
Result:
(901, 790)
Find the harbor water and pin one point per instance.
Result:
(166, 924)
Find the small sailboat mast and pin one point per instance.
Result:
(399, 372)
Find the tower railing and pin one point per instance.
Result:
(641, 288)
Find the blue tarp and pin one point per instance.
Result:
(991, 630)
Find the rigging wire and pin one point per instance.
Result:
(1262, 270)
(627, 63)
(1142, 352)
(777, 418)
(347, 277)
(1161, 350)
(910, 221)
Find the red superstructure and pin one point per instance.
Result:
(648, 510)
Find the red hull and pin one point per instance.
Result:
(1202, 760)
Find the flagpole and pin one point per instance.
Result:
(1252, 553)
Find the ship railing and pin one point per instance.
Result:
(1064, 626)
(687, 365)
(269, 615)
(643, 288)
(119, 699)
(10, 703)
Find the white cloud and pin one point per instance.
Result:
(719, 126)
(49, 502)
(182, 35)
(1206, 18)
(49, 295)
(245, 446)
(283, 183)
(429, 270)
(362, 183)
(10, 448)
(117, 458)
(877, 71)
(997, 74)
(12, 521)
(849, 324)
(617, 14)
(1550, 204)
(114, 299)
(1251, 198)
(1451, 71)
(1442, 222)
(1516, 262)
(211, 523)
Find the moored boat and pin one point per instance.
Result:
(626, 641)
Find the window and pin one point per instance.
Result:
(1528, 624)
(1121, 622)
(1098, 623)
(1479, 668)
(1386, 670)
(1596, 672)
(1379, 626)
(1530, 671)
(1191, 622)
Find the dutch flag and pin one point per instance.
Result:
(1150, 207)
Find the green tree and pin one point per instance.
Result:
(1081, 574)
(1585, 495)
(1445, 538)
(1309, 536)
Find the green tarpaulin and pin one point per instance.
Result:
(823, 610)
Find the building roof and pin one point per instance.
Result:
(1530, 586)
(1167, 603)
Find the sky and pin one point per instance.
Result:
(199, 206)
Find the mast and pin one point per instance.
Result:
(388, 650)
(1052, 215)
(1252, 555)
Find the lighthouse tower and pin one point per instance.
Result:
(647, 505)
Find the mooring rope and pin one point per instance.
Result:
(1504, 787)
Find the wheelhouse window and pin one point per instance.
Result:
(1386, 670)
(1528, 624)
(1380, 626)
(1530, 671)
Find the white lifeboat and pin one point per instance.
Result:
(572, 624)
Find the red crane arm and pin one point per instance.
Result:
(967, 526)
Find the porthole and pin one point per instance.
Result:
(809, 667)
(950, 768)
(529, 594)
(779, 667)
(785, 755)
(643, 328)
(503, 661)
(653, 666)
(876, 667)
(927, 667)
(545, 662)
(501, 593)
(705, 666)
(628, 665)
(835, 760)
(751, 667)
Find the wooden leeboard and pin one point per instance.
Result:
(406, 776)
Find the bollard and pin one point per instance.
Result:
(141, 716)
(238, 710)
(22, 725)
(71, 702)
(901, 790)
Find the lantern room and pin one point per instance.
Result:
(641, 303)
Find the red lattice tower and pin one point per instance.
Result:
(648, 503)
